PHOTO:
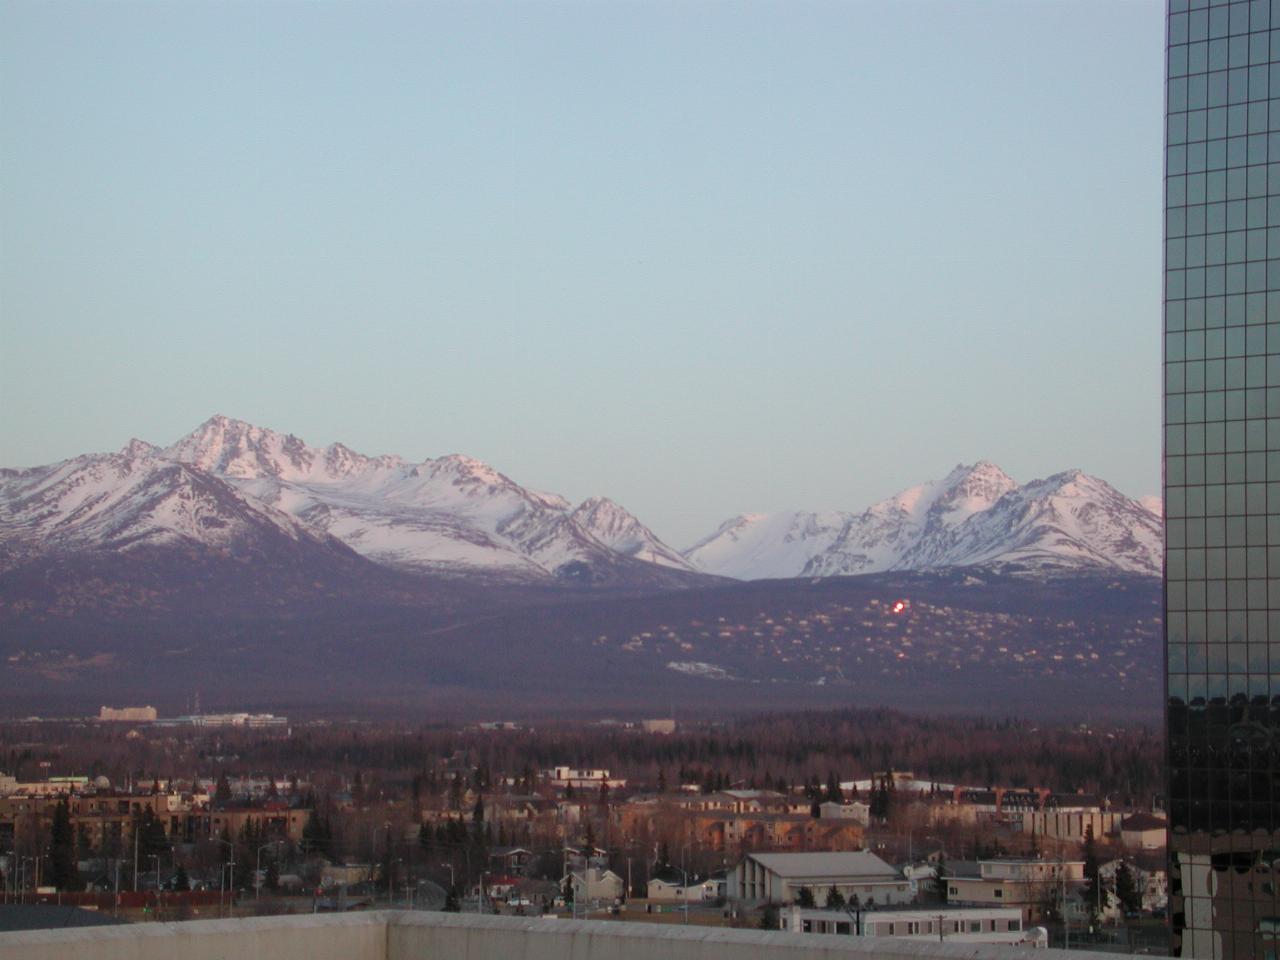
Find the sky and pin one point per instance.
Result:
(705, 258)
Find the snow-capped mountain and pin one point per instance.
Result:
(232, 487)
(134, 499)
(452, 515)
(622, 533)
(975, 515)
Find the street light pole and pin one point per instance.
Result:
(257, 873)
(452, 885)
(222, 887)
(684, 893)
(156, 858)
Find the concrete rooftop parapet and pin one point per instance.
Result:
(349, 936)
(399, 935)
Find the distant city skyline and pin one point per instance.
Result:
(704, 260)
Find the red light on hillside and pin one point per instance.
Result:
(900, 606)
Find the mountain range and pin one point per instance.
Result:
(264, 571)
(975, 516)
(237, 490)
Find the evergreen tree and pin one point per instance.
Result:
(64, 871)
(940, 880)
(881, 801)
(451, 904)
(769, 917)
(815, 808)
(181, 882)
(804, 897)
(1127, 891)
(316, 837)
(222, 792)
(835, 899)
(152, 840)
(272, 880)
(834, 793)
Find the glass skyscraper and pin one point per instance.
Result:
(1222, 475)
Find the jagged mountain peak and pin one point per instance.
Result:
(611, 524)
(341, 461)
(607, 521)
(977, 514)
(968, 487)
(112, 502)
(602, 507)
(980, 478)
(470, 469)
(234, 448)
(136, 448)
(455, 514)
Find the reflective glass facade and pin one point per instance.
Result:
(1222, 475)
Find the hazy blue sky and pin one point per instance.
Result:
(704, 258)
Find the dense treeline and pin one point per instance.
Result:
(794, 748)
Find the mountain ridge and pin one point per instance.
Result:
(977, 515)
(458, 516)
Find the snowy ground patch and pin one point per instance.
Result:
(696, 668)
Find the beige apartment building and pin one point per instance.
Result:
(1032, 886)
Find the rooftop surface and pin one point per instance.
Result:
(401, 935)
(858, 863)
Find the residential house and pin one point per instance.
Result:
(596, 884)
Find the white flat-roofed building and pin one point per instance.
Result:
(127, 714)
(945, 924)
(852, 810)
(583, 779)
(778, 877)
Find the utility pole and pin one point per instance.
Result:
(1066, 922)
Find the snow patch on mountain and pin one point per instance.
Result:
(132, 499)
(975, 515)
(451, 514)
(607, 522)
